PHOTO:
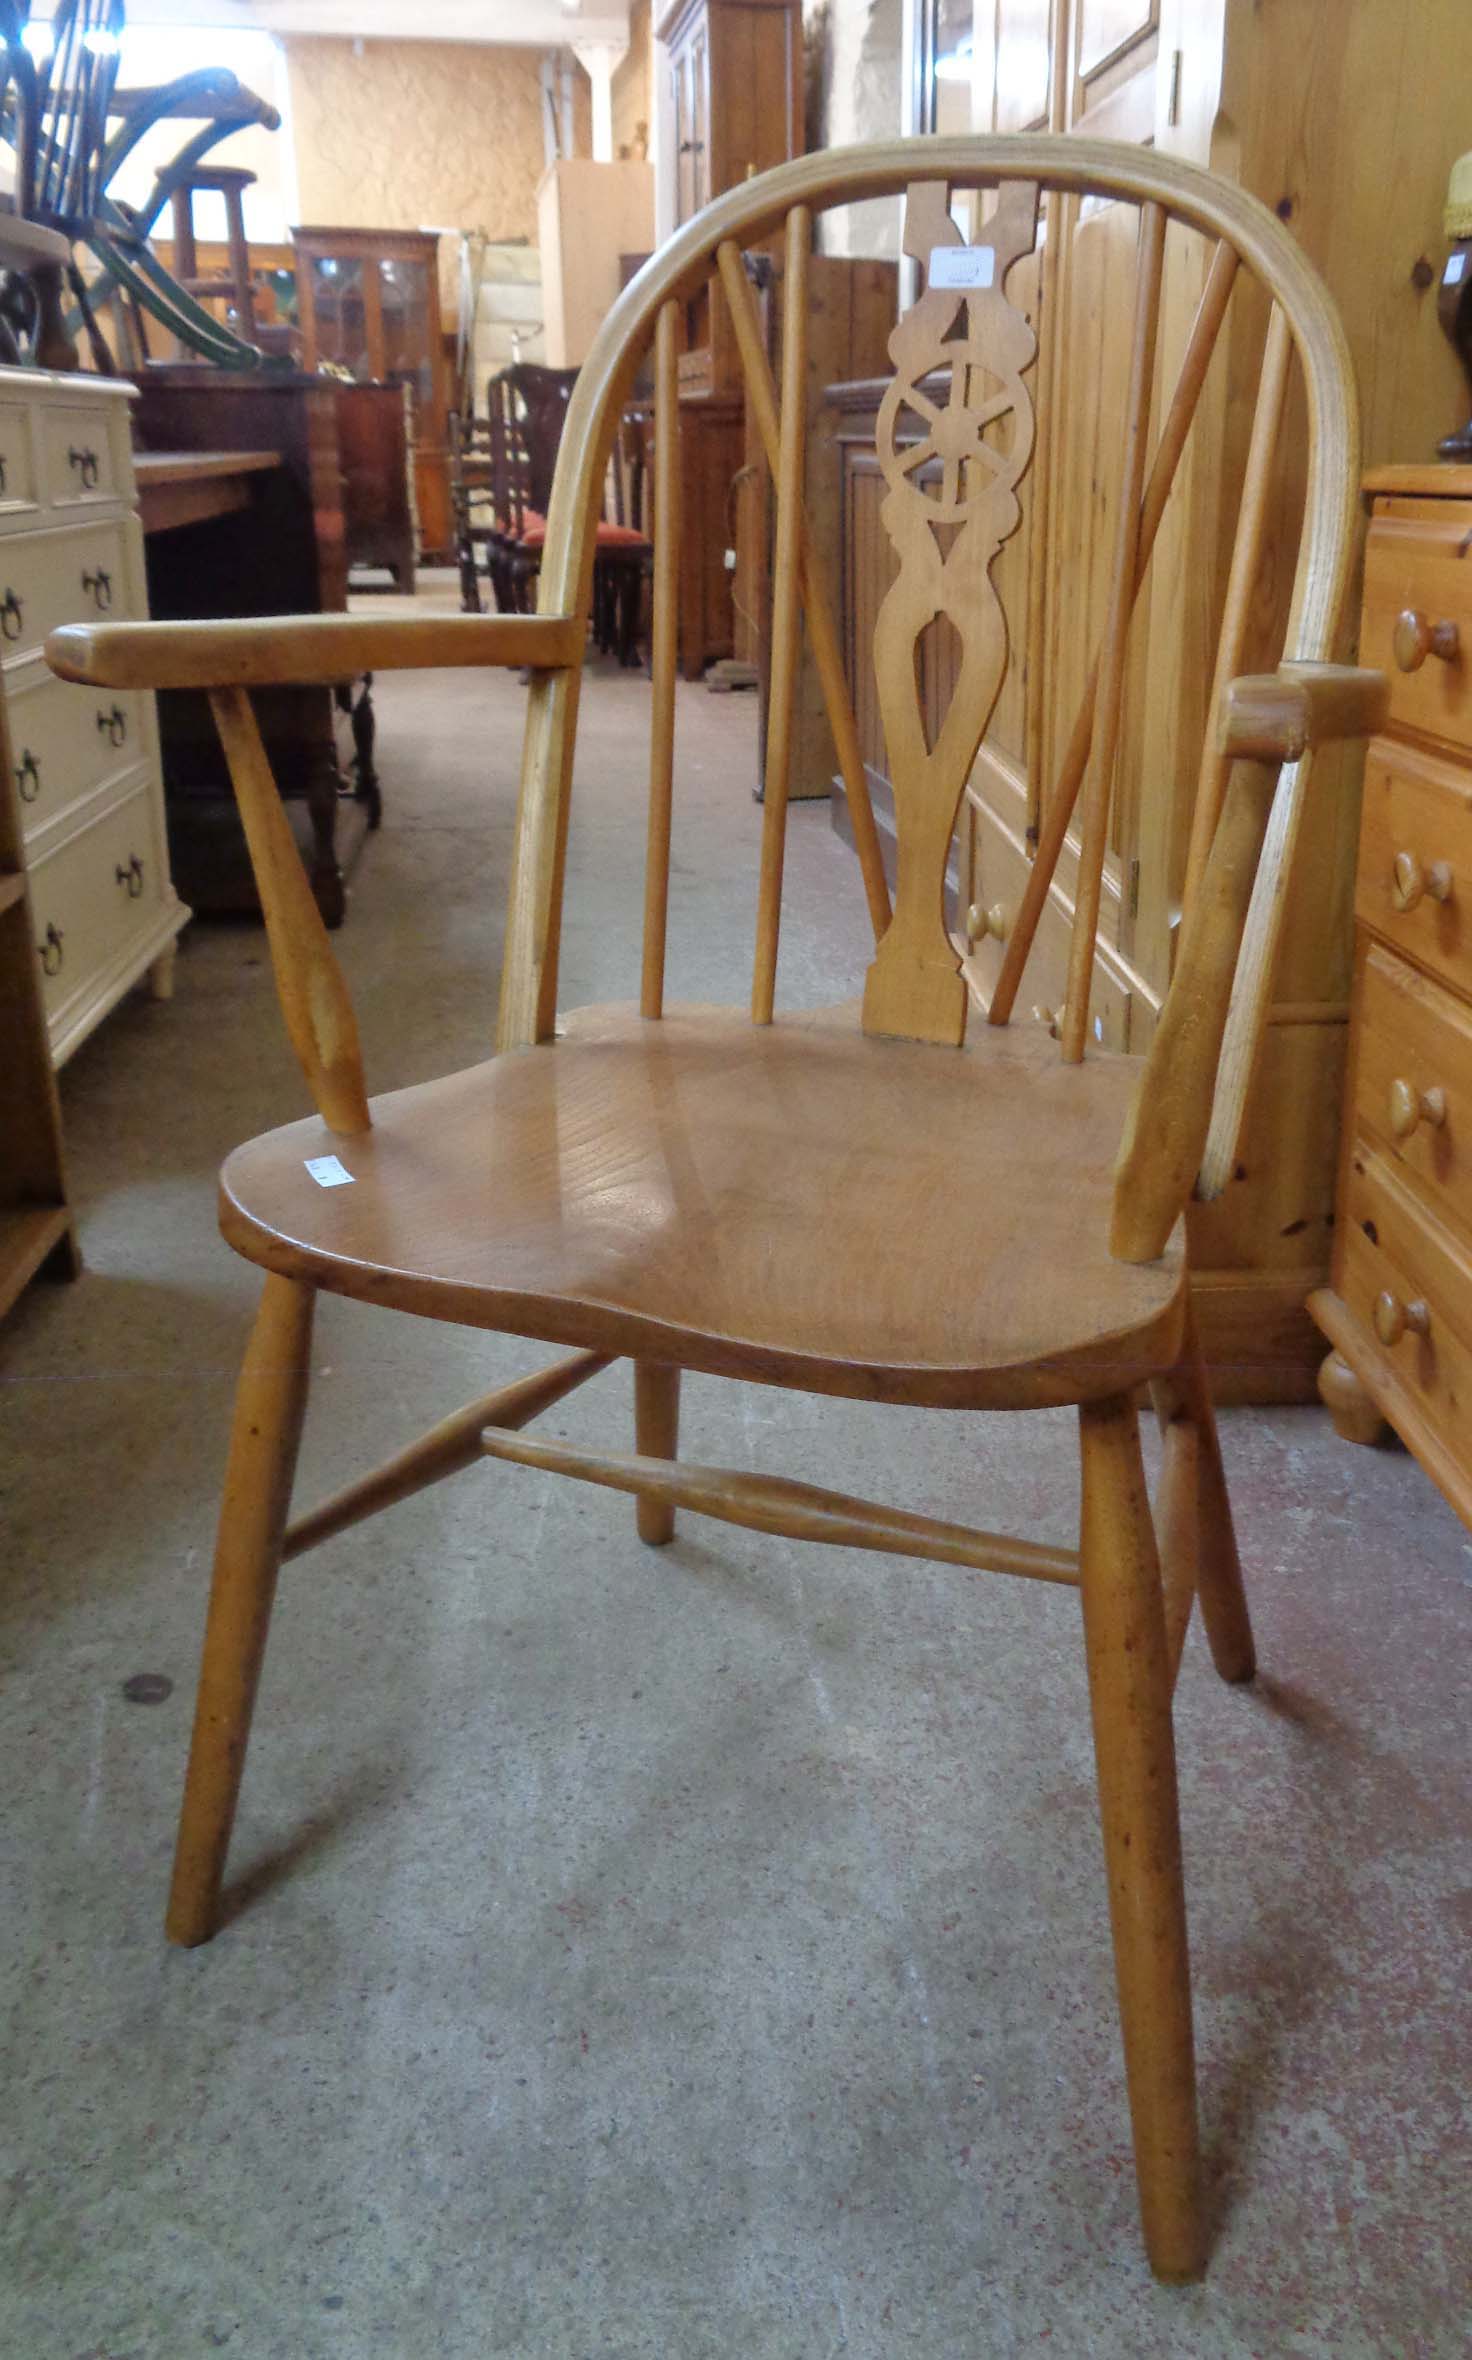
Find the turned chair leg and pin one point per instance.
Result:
(656, 1436)
(1129, 1691)
(269, 1406)
(1197, 1538)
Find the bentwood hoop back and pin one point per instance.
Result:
(788, 1197)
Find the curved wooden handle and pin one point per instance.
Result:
(1410, 1106)
(1416, 637)
(1409, 881)
(1394, 1319)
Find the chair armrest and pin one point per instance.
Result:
(305, 650)
(1277, 716)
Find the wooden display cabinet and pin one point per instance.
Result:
(734, 77)
(369, 301)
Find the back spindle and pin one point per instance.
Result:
(1059, 811)
(786, 609)
(1231, 646)
(663, 654)
(1098, 793)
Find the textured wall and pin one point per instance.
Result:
(422, 135)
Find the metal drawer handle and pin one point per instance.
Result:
(12, 615)
(114, 725)
(1414, 639)
(1410, 1106)
(131, 876)
(1394, 1319)
(100, 585)
(2, 472)
(28, 769)
(1409, 881)
(52, 954)
(85, 463)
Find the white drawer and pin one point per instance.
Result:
(65, 742)
(79, 461)
(93, 894)
(18, 490)
(77, 576)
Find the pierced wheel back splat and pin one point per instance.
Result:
(949, 506)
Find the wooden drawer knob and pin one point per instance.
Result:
(1410, 1106)
(1416, 637)
(1394, 1319)
(1409, 882)
(980, 922)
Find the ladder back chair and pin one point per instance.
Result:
(786, 1198)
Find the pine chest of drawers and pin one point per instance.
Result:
(86, 762)
(1399, 1310)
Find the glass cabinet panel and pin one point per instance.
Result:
(342, 324)
(403, 295)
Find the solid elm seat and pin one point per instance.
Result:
(700, 1189)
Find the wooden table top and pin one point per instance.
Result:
(186, 487)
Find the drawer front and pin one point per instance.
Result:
(93, 894)
(1414, 885)
(78, 456)
(46, 579)
(1413, 1078)
(66, 741)
(1419, 561)
(1393, 1247)
(18, 492)
(998, 879)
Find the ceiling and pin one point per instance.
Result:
(529, 24)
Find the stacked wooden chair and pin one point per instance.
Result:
(72, 130)
(786, 1198)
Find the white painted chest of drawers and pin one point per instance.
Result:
(86, 761)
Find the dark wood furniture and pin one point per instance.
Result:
(734, 75)
(369, 300)
(527, 405)
(373, 446)
(261, 538)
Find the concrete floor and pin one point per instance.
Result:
(684, 1953)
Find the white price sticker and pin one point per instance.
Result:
(962, 266)
(1456, 264)
(328, 1172)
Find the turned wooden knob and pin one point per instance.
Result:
(993, 921)
(1394, 1319)
(1409, 881)
(1410, 1106)
(1416, 637)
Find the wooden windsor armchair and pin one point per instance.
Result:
(656, 1183)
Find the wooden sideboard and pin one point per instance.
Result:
(1399, 1310)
